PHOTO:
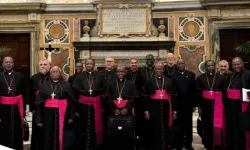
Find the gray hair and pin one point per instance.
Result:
(110, 57)
(44, 59)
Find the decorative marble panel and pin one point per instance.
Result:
(60, 58)
(56, 31)
(76, 28)
(171, 29)
(197, 53)
(191, 29)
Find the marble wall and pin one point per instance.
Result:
(189, 30)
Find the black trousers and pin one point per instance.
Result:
(185, 121)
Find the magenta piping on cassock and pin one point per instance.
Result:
(236, 95)
(218, 116)
(12, 101)
(96, 101)
(163, 95)
(61, 105)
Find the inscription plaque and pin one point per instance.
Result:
(128, 20)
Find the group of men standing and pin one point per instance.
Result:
(97, 110)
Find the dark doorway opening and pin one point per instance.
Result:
(19, 45)
(229, 38)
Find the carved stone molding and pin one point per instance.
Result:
(22, 7)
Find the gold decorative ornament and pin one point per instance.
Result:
(191, 28)
(161, 28)
(86, 29)
(56, 31)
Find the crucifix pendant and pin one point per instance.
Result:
(9, 89)
(161, 95)
(53, 95)
(90, 91)
(119, 99)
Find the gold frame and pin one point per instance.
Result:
(124, 6)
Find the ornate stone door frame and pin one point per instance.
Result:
(33, 29)
(224, 22)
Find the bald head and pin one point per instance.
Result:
(120, 71)
(150, 60)
(237, 64)
(55, 73)
(8, 63)
(159, 69)
(181, 65)
(170, 59)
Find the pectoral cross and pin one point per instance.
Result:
(53, 95)
(9, 89)
(90, 91)
(161, 95)
(119, 99)
(211, 92)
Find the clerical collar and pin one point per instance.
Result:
(109, 70)
(133, 71)
(121, 80)
(182, 72)
(159, 77)
(170, 65)
(55, 81)
(90, 72)
(8, 72)
(211, 73)
(150, 68)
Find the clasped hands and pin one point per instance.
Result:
(147, 115)
(123, 112)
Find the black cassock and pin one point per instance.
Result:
(236, 136)
(49, 116)
(147, 73)
(168, 71)
(186, 92)
(88, 106)
(216, 83)
(160, 109)
(137, 78)
(72, 79)
(35, 82)
(11, 121)
(128, 92)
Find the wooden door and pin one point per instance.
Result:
(229, 38)
(19, 45)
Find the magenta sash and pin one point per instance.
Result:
(163, 95)
(219, 116)
(236, 95)
(37, 91)
(61, 105)
(247, 133)
(12, 101)
(122, 103)
(96, 101)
